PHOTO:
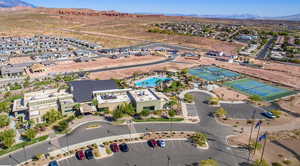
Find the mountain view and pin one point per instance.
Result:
(14, 3)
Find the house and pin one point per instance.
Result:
(37, 68)
(36, 104)
(214, 53)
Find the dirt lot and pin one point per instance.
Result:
(291, 104)
(227, 94)
(100, 63)
(281, 146)
(16, 60)
(124, 73)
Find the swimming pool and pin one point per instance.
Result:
(151, 82)
(212, 73)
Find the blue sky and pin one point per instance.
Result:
(258, 7)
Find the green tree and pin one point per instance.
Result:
(95, 102)
(145, 113)
(128, 109)
(52, 116)
(221, 112)
(199, 138)
(188, 98)
(77, 106)
(209, 162)
(172, 113)
(213, 101)
(30, 134)
(62, 126)
(4, 120)
(258, 163)
(4, 107)
(7, 137)
(117, 114)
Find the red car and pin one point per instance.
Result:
(152, 143)
(80, 155)
(114, 147)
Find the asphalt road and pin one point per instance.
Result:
(216, 133)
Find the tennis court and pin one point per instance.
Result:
(212, 73)
(253, 87)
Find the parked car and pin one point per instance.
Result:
(269, 115)
(152, 143)
(53, 163)
(124, 147)
(80, 155)
(89, 154)
(114, 147)
(161, 143)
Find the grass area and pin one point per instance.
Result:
(21, 145)
(159, 120)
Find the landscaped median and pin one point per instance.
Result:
(159, 120)
(23, 144)
(101, 146)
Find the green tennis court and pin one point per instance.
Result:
(263, 90)
(213, 73)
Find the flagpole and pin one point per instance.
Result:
(252, 125)
(257, 136)
(262, 154)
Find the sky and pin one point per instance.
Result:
(201, 7)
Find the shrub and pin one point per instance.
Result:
(258, 163)
(287, 162)
(213, 101)
(108, 151)
(209, 162)
(276, 113)
(221, 112)
(199, 138)
(188, 98)
(145, 113)
(276, 164)
(255, 98)
(4, 120)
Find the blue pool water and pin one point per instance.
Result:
(151, 82)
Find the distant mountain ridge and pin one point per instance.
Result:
(295, 17)
(14, 3)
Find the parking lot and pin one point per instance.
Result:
(180, 153)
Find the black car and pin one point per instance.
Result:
(89, 154)
(124, 147)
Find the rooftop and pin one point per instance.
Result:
(143, 95)
(83, 90)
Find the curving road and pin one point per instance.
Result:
(216, 133)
